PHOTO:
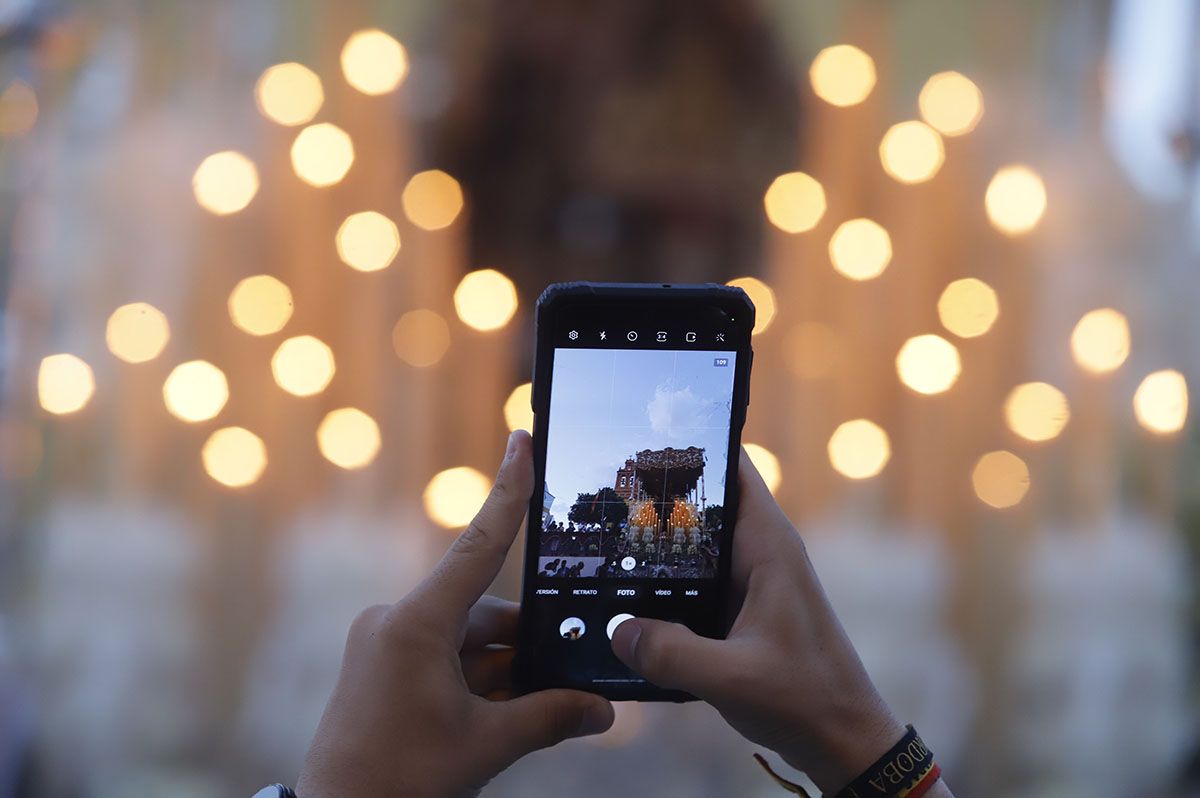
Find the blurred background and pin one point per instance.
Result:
(266, 278)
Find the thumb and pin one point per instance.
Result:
(670, 655)
(546, 718)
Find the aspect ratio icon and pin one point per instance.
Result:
(661, 337)
(631, 335)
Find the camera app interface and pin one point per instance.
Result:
(635, 464)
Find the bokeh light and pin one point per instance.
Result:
(65, 384)
(485, 300)
(348, 438)
(18, 109)
(795, 202)
(289, 94)
(260, 305)
(225, 182)
(303, 365)
(763, 298)
(951, 103)
(374, 62)
(859, 449)
(842, 75)
(518, 412)
(911, 152)
(968, 307)
(1100, 340)
(1037, 411)
(367, 241)
(1015, 200)
(767, 464)
(137, 332)
(928, 364)
(1161, 402)
(195, 391)
(454, 496)
(860, 249)
(234, 456)
(811, 349)
(432, 199)
(322, 154)
(420, 338)
(1001, 479)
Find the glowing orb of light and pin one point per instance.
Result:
(348, 438)
(137, 332)
(65, 384)
(928, 364)
(454, 496)
(225, 182)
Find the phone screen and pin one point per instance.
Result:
(639, 427)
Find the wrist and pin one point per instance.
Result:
(846, 743)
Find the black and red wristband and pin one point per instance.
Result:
(907, 770)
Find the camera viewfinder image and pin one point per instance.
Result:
(635, 463)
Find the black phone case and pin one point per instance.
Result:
(559, 298)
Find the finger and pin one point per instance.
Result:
(491, 620)
(488, 670)
(546, 718)
(672, 656)
(762, 531)
(475, 557)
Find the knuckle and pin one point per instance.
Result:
(474, 540)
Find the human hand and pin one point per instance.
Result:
(409, 715)
(786, 677)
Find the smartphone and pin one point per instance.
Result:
(639, 398)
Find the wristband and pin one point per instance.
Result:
(907, 770)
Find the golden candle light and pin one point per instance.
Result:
(348, 438)
(1037, 411)
(137, 332)
(518, 412)
(767, 464)
(367, 241)
(374, 62)
(1161, 402)
(794, 202)
(951, 103)
(1001, 479)
(911, 152)
(1015, 200)
(860, 249)
(225, 182)
(260, 305)
(289, 94)
(322, 154)
(432, 199)
(485, 300)
(234, 456)
(195, 391)
(929, 364)
(968, 307)
(65, 384)
(420, 338)
(303, 365)
(454, 496)
(842, 75)
(859, 449)
(1100, 340)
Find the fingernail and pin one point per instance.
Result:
(512, 445)
(596, 718)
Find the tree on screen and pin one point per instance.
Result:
(605, 506)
